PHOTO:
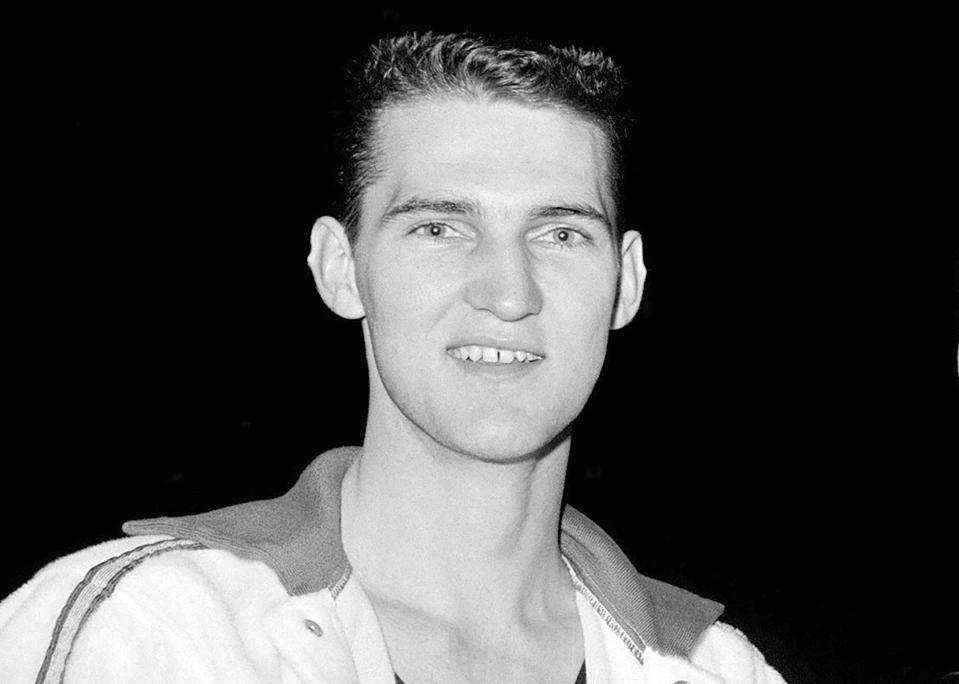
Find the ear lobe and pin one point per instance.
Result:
(632, 278)
(331, 261)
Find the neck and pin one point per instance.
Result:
(456, 538)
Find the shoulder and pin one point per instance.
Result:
(156, 564)
(114, 591)
(725, 651)
(55, 583)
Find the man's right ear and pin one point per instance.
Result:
(331, 261)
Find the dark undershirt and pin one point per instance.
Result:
(580, 678)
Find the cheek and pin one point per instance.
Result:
(402, 311)
(387, 291)
(583, 316)
(405, 292)
(584, 300)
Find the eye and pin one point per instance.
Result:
(564, 237)
(436, 231)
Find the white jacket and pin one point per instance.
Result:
(262, 592)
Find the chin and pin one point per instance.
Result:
(505, 444)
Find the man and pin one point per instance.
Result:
(481, 247)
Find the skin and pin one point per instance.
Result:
(489, 225)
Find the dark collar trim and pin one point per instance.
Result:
(298, 536)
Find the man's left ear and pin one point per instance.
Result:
(632, 278)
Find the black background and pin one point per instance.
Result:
(774, 431)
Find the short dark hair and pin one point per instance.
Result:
(400, 69)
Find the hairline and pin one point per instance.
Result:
(374, 144)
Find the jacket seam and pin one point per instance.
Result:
(338, 586)
(95, 587)
(611, 622)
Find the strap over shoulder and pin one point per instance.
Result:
(89, 594)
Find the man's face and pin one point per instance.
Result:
(487, 270)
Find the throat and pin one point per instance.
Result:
(463, 543)
(421, 651)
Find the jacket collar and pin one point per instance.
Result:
(298, 536)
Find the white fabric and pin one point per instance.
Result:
(724, 649)
(208, 616)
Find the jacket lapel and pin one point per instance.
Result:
(298, 535)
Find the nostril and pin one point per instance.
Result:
(507, 301)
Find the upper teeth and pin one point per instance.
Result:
(472, 352)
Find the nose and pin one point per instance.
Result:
(503, 281)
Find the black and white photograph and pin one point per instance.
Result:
(389, 344)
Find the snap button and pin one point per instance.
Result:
(313, 627)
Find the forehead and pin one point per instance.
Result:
(504, 155)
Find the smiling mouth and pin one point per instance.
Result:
(493, 355)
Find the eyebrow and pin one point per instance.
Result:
(418, 205)
(467, 207)
(580, 210)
